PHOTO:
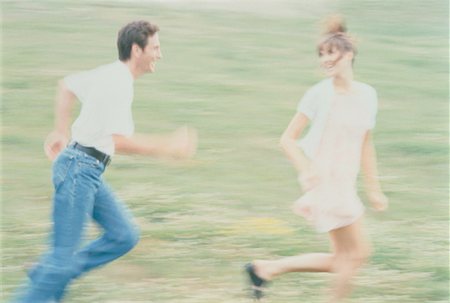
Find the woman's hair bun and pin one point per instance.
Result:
(334, 24)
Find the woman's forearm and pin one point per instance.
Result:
(294, 154)
(369, 165)
(289, 145)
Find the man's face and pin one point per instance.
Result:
(147, 58)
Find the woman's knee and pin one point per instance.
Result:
(351, 259)
(359, 257)
(364, 252)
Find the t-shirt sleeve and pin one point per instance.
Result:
(373, 108)
(79, 84)
(308, 104)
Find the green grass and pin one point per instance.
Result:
(235, 71)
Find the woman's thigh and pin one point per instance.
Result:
(350, 240)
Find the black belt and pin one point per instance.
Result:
(102, 157)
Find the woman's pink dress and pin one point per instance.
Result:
(334, 202)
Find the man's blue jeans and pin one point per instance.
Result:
(79, 192)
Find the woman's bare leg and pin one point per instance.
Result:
(314, 262)
(352, 250)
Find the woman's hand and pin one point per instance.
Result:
(309, 178)
(378, 200)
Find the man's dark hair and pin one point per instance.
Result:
(134, 32)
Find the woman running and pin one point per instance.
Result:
(342, 114)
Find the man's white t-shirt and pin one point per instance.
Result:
(106, 95)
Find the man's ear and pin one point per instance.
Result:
(136, 50)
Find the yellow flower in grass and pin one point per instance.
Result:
(261, 225)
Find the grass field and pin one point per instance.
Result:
(235, 70)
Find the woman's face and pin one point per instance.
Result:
(334, 62)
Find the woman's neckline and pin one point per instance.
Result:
(350, 90)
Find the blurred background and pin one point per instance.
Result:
(235, 70)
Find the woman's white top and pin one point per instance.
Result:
(316, 102)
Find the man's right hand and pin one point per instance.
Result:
(54, 144)
(183, 143)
